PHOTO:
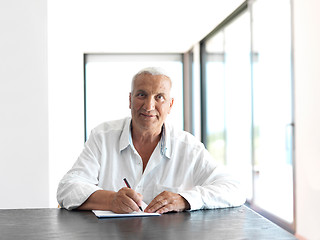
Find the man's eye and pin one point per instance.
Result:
(140, 94)
(160, 97)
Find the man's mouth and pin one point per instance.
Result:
(148, 115)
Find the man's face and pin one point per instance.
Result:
(150, 101)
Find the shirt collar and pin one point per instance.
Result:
(125, 135)
(165, 141)
(165, 146)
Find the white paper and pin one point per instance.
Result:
(110, 214)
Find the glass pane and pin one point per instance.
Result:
(228, 93)
(272, 107)
(215, 97)
(108, 83)
(238, 105)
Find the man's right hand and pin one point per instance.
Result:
(126, 200)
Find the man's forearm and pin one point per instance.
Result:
(99, 200)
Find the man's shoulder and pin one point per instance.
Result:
(112, 126)
(183, 137)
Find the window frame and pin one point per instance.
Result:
(246, 6)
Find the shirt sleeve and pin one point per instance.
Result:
(213, 187)
(82, 180)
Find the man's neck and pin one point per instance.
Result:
(145, 137)
(145, 142)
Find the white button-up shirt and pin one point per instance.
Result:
(179, 164)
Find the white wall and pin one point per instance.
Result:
(23, 104)
(307, 115)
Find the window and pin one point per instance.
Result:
(228, 98)
(108, 83)
(247, 103)
(272, 108)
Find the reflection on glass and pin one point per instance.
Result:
(215, 94)
(108, 84)
(272, 108)
(229, 98)
(215, 111)
(238, 99)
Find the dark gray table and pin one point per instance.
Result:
(232, 223)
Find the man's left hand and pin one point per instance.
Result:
(168, 202)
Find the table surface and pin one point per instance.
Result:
(52, 223)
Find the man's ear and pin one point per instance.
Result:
(171, 103)
(130, 100)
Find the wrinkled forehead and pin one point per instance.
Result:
(149, 79)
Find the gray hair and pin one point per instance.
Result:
(150, 70)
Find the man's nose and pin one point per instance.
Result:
(149, 104)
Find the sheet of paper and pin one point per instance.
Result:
(110, 214)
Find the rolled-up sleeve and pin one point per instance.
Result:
(82, 180)
(213, 187)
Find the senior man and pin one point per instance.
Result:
(168, 169)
